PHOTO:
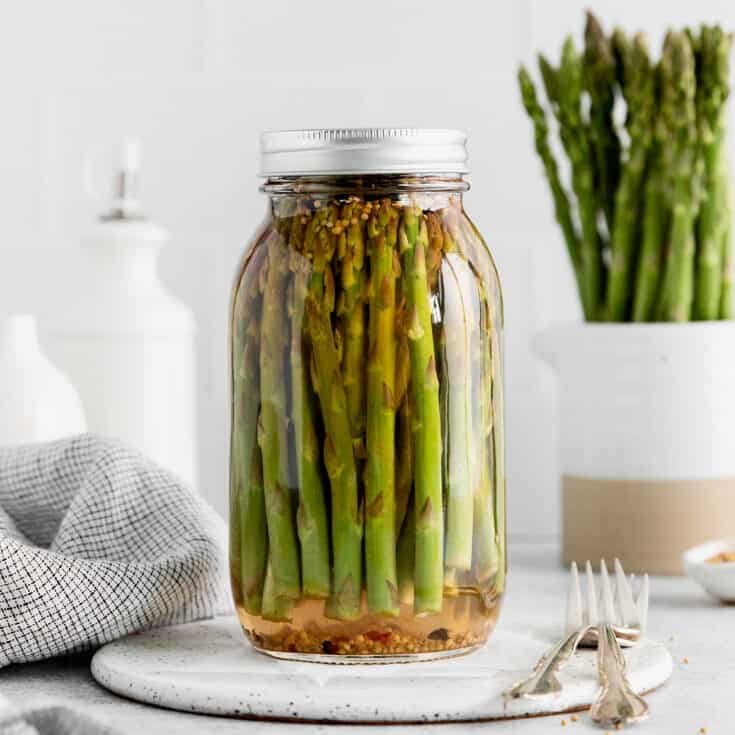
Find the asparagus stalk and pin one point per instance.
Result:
(351, 311)
(404, 460)
(488, 537)
(652, 248)
(639, 86)
(339, 459)
(562, 207)
(311, 518)
(498, 438)
(682, 172)
(404, 431)
(238, 333)
(564, 90)
(275, 607)
(457, 342)
(380, 541)
(403, 360)
(435, 253)
(429, 526)
(273, 430)
(712, 92)
(235, 536)
(485, 551)
(726, 310)
(253, 536)
(248, 536)
(599, 80)
(493, 416)
(406, 557)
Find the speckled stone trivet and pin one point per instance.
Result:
(208, 667)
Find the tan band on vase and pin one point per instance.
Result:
(647, 524)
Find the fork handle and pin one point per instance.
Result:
(543, 680)
(617, 703)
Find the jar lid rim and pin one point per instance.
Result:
(389, 150)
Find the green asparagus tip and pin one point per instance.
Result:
(525, 83)
(568, 51)
(549, 78)
(596, 42)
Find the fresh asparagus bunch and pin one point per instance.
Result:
(646, 220)
(354, 481)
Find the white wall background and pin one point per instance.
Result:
(198, 80)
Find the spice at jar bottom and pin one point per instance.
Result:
(367, 472)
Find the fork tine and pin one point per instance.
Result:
(608, 609)
(643, 604)
(592, 614)
(626, 605)
(574, 602)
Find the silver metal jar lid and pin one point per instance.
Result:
(363, 151)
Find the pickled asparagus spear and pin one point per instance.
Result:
(487, 543)
(404, 460)
(351, 312)
(275, 607)
(380, 539)
(457, 328)
(273, 430)
(404, 434)
(429, 524)
(498, 436)
(489, 562)
(248, 535)
(485, 547)
(406, 557)
(434, 254)
(311, 517)
(339, 459)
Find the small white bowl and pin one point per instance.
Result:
(717, 578)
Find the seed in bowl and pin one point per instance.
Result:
(724, 557)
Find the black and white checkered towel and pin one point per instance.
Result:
(48, 718)
(96, 542)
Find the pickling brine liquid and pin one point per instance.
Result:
(465, 622)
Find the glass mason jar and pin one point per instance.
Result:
(367, 460)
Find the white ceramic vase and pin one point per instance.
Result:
(37, 401)
(128, 345)
(125, 340)
(647, 438)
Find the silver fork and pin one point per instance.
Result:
(629, 621)
(616, 704)
(581, 627)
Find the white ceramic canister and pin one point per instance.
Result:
(37, 401)
(647, 438)
(125, 341)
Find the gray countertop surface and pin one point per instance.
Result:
(698, 631)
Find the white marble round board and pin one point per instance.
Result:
(208, 667)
